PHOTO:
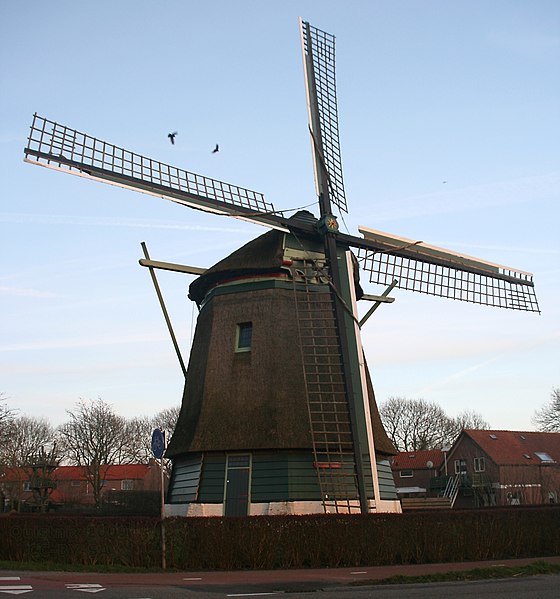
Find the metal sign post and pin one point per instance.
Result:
(158, 449)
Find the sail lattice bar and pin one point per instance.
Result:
(59, 147)
(436, 271)
(319, 60)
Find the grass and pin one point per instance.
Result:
(533, 569)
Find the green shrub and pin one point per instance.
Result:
(268, 542)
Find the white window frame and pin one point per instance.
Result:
(238, 329)
(127, 484)
(406, 470)
(479, 464)
(458, 463)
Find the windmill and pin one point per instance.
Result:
(278, 413)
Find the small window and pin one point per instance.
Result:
(479, 465)
(492, 436)
(238, 461)
(544, 457)
(460, 467)
(244, 336)
(75, 483)
(127, 485)
(406, 473)
(27, 486)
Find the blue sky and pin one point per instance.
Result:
(449, 128)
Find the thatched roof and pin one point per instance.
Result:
(249, 400)
(260, 256)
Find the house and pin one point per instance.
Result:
(70, 484)
(506, 467)
(413, 471)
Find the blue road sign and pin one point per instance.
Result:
(158, 442)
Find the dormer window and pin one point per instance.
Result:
(544, 457)
(243, 336)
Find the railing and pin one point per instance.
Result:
(452, 488)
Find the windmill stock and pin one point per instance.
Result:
(305, 436)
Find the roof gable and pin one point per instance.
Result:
(518, 447)
(417, 460)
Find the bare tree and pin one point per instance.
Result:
(416, 424)
(94, 438)
(547, 419)
(6, 417)
(468, 419)
(42, 465)
(138, 437)
(167, 419)
(138, 446)
(25, 436)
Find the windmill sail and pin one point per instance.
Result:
(56, 146)
(319, 63)
(436, 271)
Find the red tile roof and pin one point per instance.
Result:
(115, 472)
(417, 460)
(15, 474)
(517, 447)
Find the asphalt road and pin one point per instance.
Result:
(535, 587)
(336, 583)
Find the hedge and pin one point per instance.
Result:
(270, 542)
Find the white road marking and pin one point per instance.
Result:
(86, 588)
(10, 578)
(194, 578)
(16, 589)
(363, 572)
(249, 594)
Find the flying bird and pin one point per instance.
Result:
(172, 137)
(216, 149)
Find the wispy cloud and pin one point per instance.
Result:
(456, 376)
(74, 343)
(73, 220)
(535, 189)
(19, 292)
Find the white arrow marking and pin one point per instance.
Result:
(249, 594)
(16, 589)
(86, 588)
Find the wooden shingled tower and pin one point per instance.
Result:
(278, 412)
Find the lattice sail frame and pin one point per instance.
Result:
(443, 273)
(61, 148)
(319, 60)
